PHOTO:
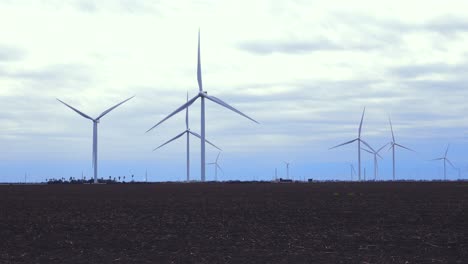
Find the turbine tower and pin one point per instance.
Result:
(444, 158)
(95, 130)
(376, 163)
(202, 94)
(359, 140)
(216, 165)
(393, 144)
(188, 132)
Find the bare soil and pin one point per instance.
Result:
(392, 222)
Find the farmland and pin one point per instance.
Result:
(388, 222)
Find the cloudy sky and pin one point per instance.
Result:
(304, 69)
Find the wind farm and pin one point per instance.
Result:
(313, 132)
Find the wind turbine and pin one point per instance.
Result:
(444, 158)
(202, 95)
(359, 140)
(216, 165)
(376, 163)
(188, 132)
(95, 130)
(287, 169)
(352, 171)
(392, 147)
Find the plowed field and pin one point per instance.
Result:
(399, 222)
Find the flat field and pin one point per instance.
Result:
(400, 222)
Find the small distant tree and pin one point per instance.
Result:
(132, 177)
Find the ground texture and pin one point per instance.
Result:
(235, 223)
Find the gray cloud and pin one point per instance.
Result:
(419, 70)
(53, 76)
(299, 47)
(8, 53)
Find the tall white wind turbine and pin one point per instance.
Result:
(359, 140)
(188, 132)
(216, 165)
(202, 95)
(376, 162)
(393, 144)
(95, 131)
(444, 158)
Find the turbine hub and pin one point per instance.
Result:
(202, 93)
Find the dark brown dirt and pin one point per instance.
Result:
(235, 223)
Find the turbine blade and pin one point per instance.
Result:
(217, 157)
(349, 142)
(187, 104)
(401, 146)
(222, 103)
(436, 159)
(378, 155)
(206, 140)
(112, 108)
(186, 115)
(219, 167)
(391, 128)
(76, 110)
(447, 150)
(170, 140)
(391, 146)
(199, 77)
(366, 150)
(362, 119)
(450, 163)
(367, 145)
(382, 148)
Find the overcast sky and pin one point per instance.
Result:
(304, 69)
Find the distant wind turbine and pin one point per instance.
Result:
(216, 165)
(188, 132)
(287, 169)
(202, 95)
(376, 163)
(444, 158)
(352, 171)
(95, 131)
(359, 140)
(393, 144)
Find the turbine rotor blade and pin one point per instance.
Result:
(187, 104)
(170, 140)
(367, 145)
(222, 103)
(76, 110)
(112, 108)
(199, 77)
(219, 167)
(450, 163)
(217, 157)
(368, 151)
(382, 148)
(436, 159)
(401, 146)
(206, 140)
(447, 150)
(391, 128)
(349, 142)
(362, 119)
(186, 115)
